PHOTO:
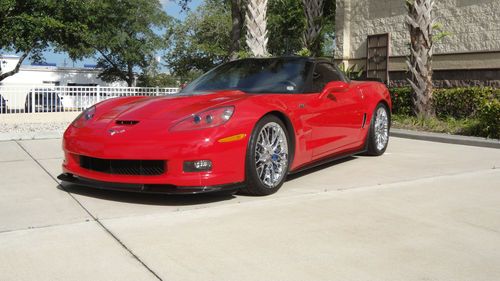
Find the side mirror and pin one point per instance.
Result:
(335, 86)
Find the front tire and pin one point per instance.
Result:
(267, 160)
(378, 137)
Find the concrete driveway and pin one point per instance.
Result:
(422, 211)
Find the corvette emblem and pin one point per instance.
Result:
(113, 132)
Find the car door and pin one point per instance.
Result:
(338, 118)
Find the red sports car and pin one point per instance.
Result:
(243, 125)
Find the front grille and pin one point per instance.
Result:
(123, 167)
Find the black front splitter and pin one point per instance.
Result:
(70, 179)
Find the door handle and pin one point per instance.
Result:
(331, 96)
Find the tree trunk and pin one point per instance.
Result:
(16, 69)
(313, 10)
(236, 27)
(256, 23)
(420, 22)
(130, 75)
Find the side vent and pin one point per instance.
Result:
(364, 121)
(126, 122)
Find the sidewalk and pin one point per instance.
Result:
(422, 211)
(27, 126)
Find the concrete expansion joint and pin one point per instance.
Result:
(414, 180)
(94, 218)
(42, 226)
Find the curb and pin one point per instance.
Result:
(31, 136)
(445, 138)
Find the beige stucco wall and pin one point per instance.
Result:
(474, 26)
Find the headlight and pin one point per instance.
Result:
(206, 119)
(85, 116)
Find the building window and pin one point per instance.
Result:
(377, 59)
(52, 83)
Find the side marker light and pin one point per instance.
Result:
(232, 138)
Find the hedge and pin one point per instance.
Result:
(462, 102)
(401, 101)
(489, 118)
(482, 103)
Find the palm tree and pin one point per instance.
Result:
(421, 22)
(256, 23)
(237, 19)
(313, 10)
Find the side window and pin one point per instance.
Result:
(324, 73)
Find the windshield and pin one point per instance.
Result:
(274, 75)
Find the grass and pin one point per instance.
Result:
(466, 127)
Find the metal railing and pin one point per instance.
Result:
(44, 98)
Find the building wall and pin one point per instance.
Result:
(474, 25)
(56, 76)
(62, 76)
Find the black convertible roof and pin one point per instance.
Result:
(293, 58)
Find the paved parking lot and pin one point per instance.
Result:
(422, 211)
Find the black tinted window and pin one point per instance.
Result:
(273, 75)
(324, 73)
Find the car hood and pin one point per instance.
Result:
(169, 108)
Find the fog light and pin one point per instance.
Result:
(197, 166)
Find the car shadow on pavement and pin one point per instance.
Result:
(179, 200)
(147, 198)
(320, 167)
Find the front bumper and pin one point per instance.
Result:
(148, 143)
(70, 179)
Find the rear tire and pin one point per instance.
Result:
(267, 160)
(378, 137)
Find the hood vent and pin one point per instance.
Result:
(126, 122)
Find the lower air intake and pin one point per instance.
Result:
(123, 167)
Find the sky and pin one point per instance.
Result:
(62, 59)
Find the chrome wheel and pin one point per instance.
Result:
(381, 128)
(271, 155)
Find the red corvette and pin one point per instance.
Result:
(244, 125)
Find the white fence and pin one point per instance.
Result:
(43, 98)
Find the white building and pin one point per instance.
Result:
(15, 89)
(50, 74)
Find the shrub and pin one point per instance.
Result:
(489, 118)
(352, 72)
(401, 101)
(481, 105)
(461, 102)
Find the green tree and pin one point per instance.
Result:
(30, 27)
(201, 41)
(286, 23)
(237, 21)
(207, 37)
(313, 10)
(126, 36)
(237, 8)
(158, 80)
(320, 18)
(327, 35)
